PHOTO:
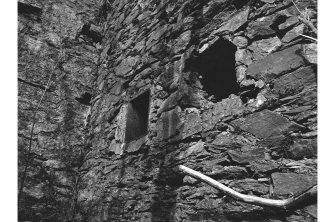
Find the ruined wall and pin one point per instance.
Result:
(225, 87)
(232, 94)
(54, 51)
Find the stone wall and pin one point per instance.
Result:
(225, 87)
(53, 51)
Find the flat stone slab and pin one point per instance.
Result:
(265, 124)
(276, 64)
(291, 183)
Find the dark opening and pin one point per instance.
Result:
(216, 69)
(28, 9)
(85, 98)
(137, 117)
(250, 92)
(90, 33)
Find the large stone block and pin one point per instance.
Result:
(276, 64)
(291, 183)
(266, 124)
(167, 124)
(295, 81)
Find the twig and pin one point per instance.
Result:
(305, 21)
(296, 7)
(283, 204)
(309, 24)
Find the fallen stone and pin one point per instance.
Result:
(288, 184)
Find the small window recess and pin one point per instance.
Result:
(137, 117)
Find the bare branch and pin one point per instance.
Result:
(283, 204)
(309, 24)
(305, 21)
(306, 36)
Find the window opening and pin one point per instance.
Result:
(137, 117)
(216, 69)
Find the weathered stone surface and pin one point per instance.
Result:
(252, 185)
(309, 51)
(82, 169)
(261, 27)
(291, 183)
(234, 22)
(247, 156)
(240, 41)
(182, 41)
(266, 124)
(262, 48)
(303, 149)
(240, 73)
(295, 81)
(293, 33)
(276, 64)
(168, 124)
(126, 65)
(192, 150)
(193, 122)
(289, 23)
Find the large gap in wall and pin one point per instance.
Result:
(216, 69)
(84, 98)
(137, 117)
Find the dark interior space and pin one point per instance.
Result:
(28, 9)
(216, 69)
(249, 92)
(137, 117)
(85, 98)
(88, 32)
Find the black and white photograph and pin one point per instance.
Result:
(167, 111)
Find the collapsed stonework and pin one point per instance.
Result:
(225, 87)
